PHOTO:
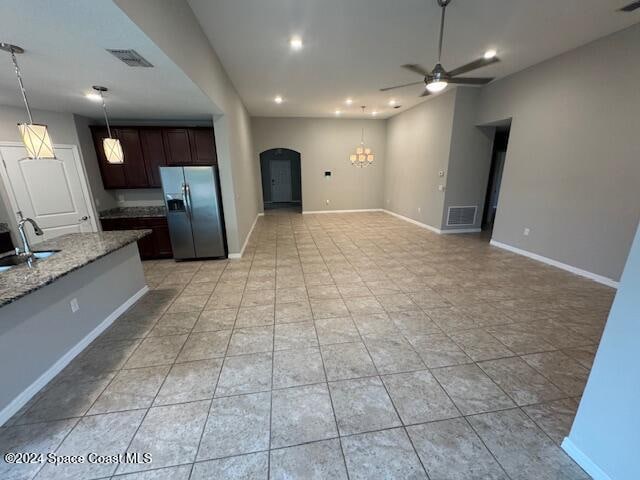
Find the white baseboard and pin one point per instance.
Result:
(549, 261)
(306, 212)
(26, 395)
(585, 462)
(236, 256)
(460, 230)
(415, 222)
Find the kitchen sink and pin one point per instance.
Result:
(11, 260)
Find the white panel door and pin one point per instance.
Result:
(280, 181)
(52, 192)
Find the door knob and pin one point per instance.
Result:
(84, 219)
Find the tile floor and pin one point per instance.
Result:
(341, 346)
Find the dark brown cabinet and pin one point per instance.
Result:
(153, 153)
(203, 146)
(177, 145)
(156, 245)
(135, 172)
(146, 149)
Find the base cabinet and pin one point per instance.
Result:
(156, 245)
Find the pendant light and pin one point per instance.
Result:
(35, 136)
(111, 146)
(364, 155)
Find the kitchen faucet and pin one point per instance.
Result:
(26, 248)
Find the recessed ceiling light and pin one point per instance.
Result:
(94, 97)
(338, 112)
(278, 99)
(295, 43)
(489, 54)
(392, 102)
(348, 101)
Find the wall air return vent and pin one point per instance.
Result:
(458, 216)
(130, 57)
(631, 7)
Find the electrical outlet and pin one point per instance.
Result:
(388, 201)
(97, 200)
(441, 188)
(74, 305)
(526, 231)
(328, 202)
(121, 197)
(419, 210)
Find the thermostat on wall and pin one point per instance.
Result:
(327, 174)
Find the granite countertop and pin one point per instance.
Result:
(4, 228)
(76, 251)
(134, 212)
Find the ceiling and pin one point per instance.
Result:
(65, 55)
(354, 47)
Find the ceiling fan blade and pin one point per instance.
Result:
(470, 80)
(481, 62)
(425, 93)
(401, 86)
(419, 69)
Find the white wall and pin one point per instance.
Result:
(418, 147)
(173, 27)
(605, 436)
(324, 145)
(572, 171)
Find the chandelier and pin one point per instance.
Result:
(364, 155)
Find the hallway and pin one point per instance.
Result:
(340, 343)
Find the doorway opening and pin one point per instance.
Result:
(498, 156)
(281, 179)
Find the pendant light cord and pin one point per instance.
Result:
(22, 90)
(106, 119)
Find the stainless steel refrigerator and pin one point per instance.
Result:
(194, 213)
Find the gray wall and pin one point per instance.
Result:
(572, 171)
(469, 159)
(38, 331)
(418, 147)
(607, 426)
(324, 145)
(173, 27)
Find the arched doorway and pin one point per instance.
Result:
(281, 179)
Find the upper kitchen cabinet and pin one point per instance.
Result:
(153, 153)
(146, 149)
(135, 171)
(177, 146)
(203, 146)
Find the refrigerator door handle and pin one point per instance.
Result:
(185, 197)
(188, 199)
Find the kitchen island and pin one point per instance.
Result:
(50, 311)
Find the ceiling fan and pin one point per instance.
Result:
(437, 79)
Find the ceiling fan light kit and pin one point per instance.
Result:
(438, 78)
(35, 137)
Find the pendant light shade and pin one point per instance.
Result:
(36, 140)
(113, 150)
(35, 136)
(111, 146)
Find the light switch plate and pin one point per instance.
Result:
(74, 305)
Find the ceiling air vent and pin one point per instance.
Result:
(130, 57)
(461, 216)
(631, 7)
